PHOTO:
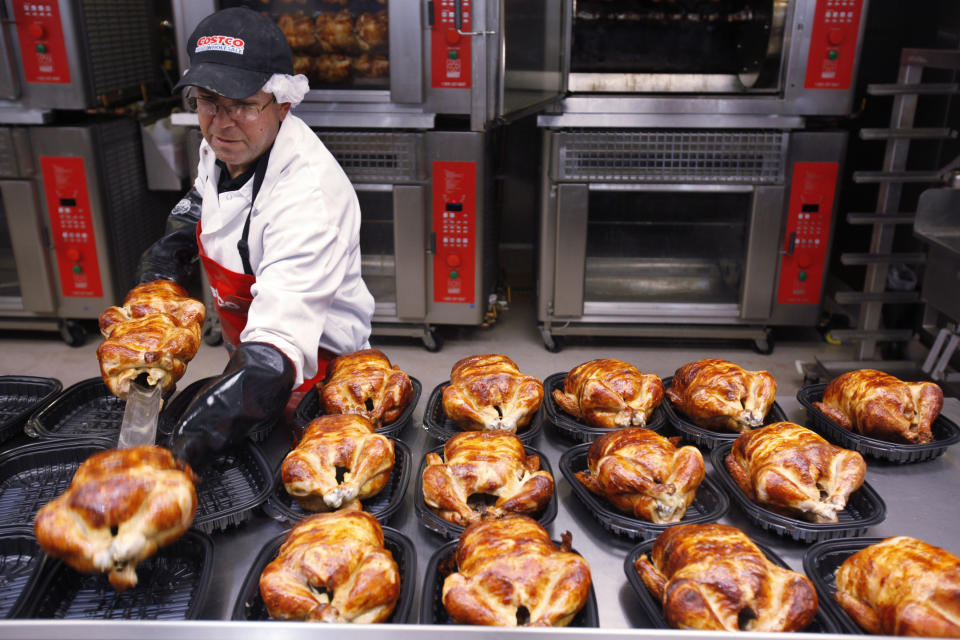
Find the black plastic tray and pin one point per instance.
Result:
(231, 487)
(572, 428)
(20, 562)
(19, 397)
(249, 605)
(435, 523)
(865, 508)
(820, 563)
(945, 433)
(432, 610)
(309, 409)
(281, 506)
(171, 585)
(709, 504)
(823, 622)
(705, 437)
(173, 410)
(442, 428)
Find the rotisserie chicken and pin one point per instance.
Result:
(331, 68)
(478, 466)
(156, 332)
(876, 404)
(371, 65)
(339, 459)
(332, 567)
(609, 393)
(335, 32)
(489, 392)
(300, 33)
(642, 473)
(794, 471)
(510, 573)
(365, 383)
(713, 577)
(120, 507)
(371, 30)
(902, 587)
(719, 395)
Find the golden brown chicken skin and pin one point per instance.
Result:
(121, 506)
(332, 444)
(489, 392)
(510, 573)
(878, 405)
(480, 464)
(719, 395)
(902, 587)
(794, 471)
(365, 383)
(643, 474)
(609, 393)
(332, 567)
(713, 577)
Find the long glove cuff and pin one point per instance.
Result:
(172, 256)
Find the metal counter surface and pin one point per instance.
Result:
(920, 500)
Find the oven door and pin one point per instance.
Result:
(26, 284)
(666, 253)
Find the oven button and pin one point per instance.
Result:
(802, 276)
(454, 275)
(36, 31)
(73, 255)
(835, 36)
(453, 260)
(452, 36)
(804, 259)
(41, 48)
(832, 54)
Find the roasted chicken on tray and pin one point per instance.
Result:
(365, 383)
(156, 332)
(643, 474)
(510, 573)
(794, 471)
(332, 567)
(712, 577)
(719, 395)
(902, 587)
(876, 404)
(489, 392)
(120, 507)
(609, 393)
(480, 466)
(339, 460)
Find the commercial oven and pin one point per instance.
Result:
(78, 54)
(399, 63)
(73, 222)
(684, 232)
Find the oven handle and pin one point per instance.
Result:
(791, 245)
(708, 188)
(458, 21)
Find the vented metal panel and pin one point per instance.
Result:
(120, 44)
(377, 157)
(748, 157)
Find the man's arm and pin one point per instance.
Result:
(172, 256)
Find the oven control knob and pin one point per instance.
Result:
(452, 36)
(73, 255)
(453, 260)
(804, 259)
(835, 36)
(36, 31)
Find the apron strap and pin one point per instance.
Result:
(242, 247)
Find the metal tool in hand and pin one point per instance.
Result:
(139, 424)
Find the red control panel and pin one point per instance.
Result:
(41, 41)
(450, 51)
(71, 224)
(804, 253)
(833, 44)
(454, 228)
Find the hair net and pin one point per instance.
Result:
(287, 88)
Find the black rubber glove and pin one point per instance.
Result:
(253, 389)
(172, 257)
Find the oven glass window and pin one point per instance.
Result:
(9, 282)
(666, 247)
(378, 262)
(337, 44)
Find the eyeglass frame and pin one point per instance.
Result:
(194, 102)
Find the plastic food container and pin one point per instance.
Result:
(438, 525)
(20, 562)
(820, 563)
(432, 610)
(945, 433)
(705, 437)
(172, 412)
(249, 605)
(442, 428)
(231, 487)
(281, 506)
(709, 504)
(19, 397)
(823, 622)
(171, 585)
(864, 509)
(572, 428)
(309, 409)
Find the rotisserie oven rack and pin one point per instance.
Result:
(439, 426)
(20, 396)
(310, 409)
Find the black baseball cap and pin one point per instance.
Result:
(234, 52)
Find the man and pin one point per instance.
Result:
(275, 222)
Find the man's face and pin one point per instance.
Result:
(235, 138)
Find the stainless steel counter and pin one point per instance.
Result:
(920, 500)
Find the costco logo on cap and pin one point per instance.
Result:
(220, 43)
